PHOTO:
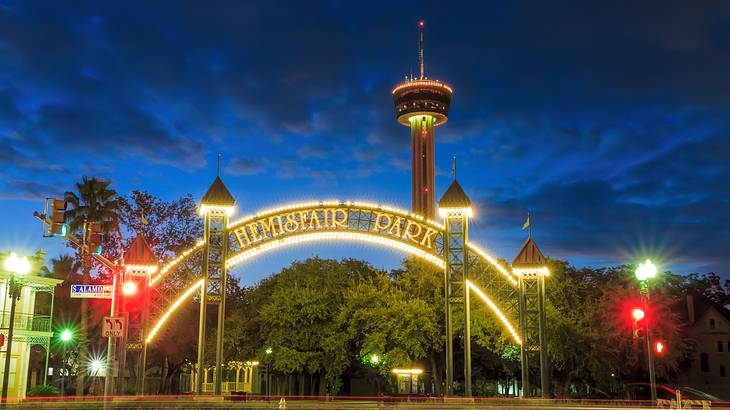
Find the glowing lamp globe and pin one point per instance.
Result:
(645, 271)
(637, 314)
(16, 265)
(96, 365)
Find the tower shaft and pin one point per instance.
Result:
(422, 165)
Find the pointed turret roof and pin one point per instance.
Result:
(218, 195)
(529, 255)
(139, 253)
(455, 197)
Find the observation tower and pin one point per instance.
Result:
(422, 104)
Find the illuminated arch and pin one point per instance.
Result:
(391, 237)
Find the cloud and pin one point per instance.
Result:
(245, 167)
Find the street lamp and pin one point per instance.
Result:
(644, 272)
(268, 352)
(17, 267)
(66, 336)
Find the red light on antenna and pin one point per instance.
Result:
(425, 189)
(421, 23)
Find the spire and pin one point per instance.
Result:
(421, 63)
(455, 197)
(218, 195)
(453, 168)
(219, 164)
(139, 253)
(529, 255)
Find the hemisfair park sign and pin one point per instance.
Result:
(514, 295)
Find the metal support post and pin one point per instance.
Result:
(544, 369)
(649, 348)
(48, 345)
(456, 290)
(111, 345)
(14, 290)
(201, 335)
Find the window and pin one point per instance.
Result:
(704, 363)
(712, 323)
(719, 346)
(722, 371)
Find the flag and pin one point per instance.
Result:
(526, 225)
(142, 218)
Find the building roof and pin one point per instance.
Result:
(701, 305)
(218, 195)
(455, 197)
(529, 255)
(139, 253)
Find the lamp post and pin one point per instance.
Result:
(18, 267)
(66, 336)
(268, 371)
(644, 272)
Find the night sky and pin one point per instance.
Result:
(609, 121)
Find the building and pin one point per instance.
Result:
(32, 329)
(422, 104)
(708, 326)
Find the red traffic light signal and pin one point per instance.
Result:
(94, 235)
(130, 288)
(637, 314)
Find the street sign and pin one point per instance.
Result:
(113, 326)
(91, 291)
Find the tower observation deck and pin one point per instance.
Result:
(422, 104)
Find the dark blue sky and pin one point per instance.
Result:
(609, 120)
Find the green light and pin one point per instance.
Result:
(66, 335)
(269, 350)
(374, 359)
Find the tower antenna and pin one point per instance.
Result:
(420, 49)
(219, 164)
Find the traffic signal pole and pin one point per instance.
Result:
(649, 347)
(110, 347)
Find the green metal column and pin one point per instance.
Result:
(203, 306)
(544, 367)
(456, 255)
(215, 276)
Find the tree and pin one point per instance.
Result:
(94, 201)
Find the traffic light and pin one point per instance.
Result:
(58, 225)
(130, 288)
(638, 314)
(94, 236)
(66, 335)
(659, 347)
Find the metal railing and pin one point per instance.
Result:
(27, 322)
(228, 387)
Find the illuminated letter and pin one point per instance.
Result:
(343, 222)
(315, 220)
(291, 224)
(254, 227)
(428, 237)
(412, 236)
(395, 229)
(270, 228)
(242, 232)
(378, 227)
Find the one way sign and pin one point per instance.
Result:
(113, 326)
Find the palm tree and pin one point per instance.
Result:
(66, 267)
(93, 202)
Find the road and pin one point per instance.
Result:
(191, 402)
